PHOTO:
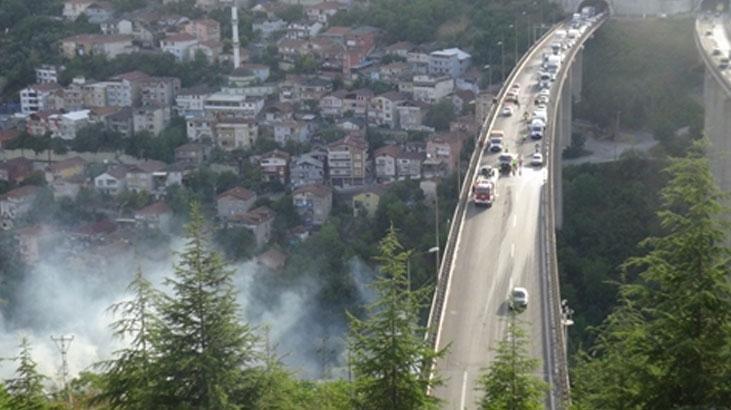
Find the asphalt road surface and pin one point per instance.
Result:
(499, 248)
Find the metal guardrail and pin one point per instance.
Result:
(708, 59)
(437, 306)
(560, 355)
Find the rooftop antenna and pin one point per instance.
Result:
(63, 343)
(235, 31)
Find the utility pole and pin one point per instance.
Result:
(436, 218)
(63, 343)
(502, 64)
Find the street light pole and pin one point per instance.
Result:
(502, 53)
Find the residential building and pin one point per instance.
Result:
(385, 159)
(37, 97)
(46, 73)
(72, 9)
(269, 26)
(67, 125)
(411, 115)
(303, 30)
(95, 94)
(332, 105)
(382, 109)
(356, 102)
(347, 159)
(408, 165)
(432, 89)
(151, 118)
(272, 259)
(192, 153)
(306, 169)
(322, 12)
(74, 94)
(155, 216)
(259, 221)
(159, 91)
(211, 49)
(201, 129)
(147, 176)
(401, 49)
(190, 101)
(232, 133)
(204, 29)
(313, 203)
(451, 62)
(461, 99)
(392, 72)
(68, 187)
(275, 166)
(238, 104)
(99, 12)
(112, 181)
(278, 112)
(31, 241)
(15, 203)
(446, 147)
(124, 90)
(109, 45)
(121, 121)
(16, 170)
(179, 45)
(294, 131)
(140, 30)
(235, 201)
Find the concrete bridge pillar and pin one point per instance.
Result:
(562, 137)
(577, 75)
(718, 130)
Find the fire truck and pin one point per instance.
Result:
(483, 191)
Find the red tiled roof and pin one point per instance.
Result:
(316, 189)
(273, 259)
(67, 163)
(238, 193)
(98, 38)
(389, 150)
(21, 192)
(352, 140)
(156, 209)
(105, 226)
(179, 37)
(256, 216)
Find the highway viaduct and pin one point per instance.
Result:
(480, 263)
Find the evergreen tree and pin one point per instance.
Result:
(389, 355)
(26, 388)
(204, 346)
(510, 382)
(667, 344)
(129, 381)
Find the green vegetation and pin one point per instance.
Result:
(648, 75)
(440, 115)
(188, 348)
(511, 382)
(608, 209)
(476, 26)
(666, 345)
(388, 349)
(26, 388)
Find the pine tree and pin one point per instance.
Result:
(129, 380)
(667, 344)
(204, 345)
(26, 388)
(389, 355)
(510, 382)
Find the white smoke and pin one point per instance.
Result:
(60, 296)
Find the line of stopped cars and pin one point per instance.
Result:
(534, 120)
(533, 124)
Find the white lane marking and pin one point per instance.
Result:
(515, 220)
(464, 390)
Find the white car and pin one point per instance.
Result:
(519, 298)
(536, 159)
(541, 100)
(507, 111)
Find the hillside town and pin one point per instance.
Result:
(307, 110)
